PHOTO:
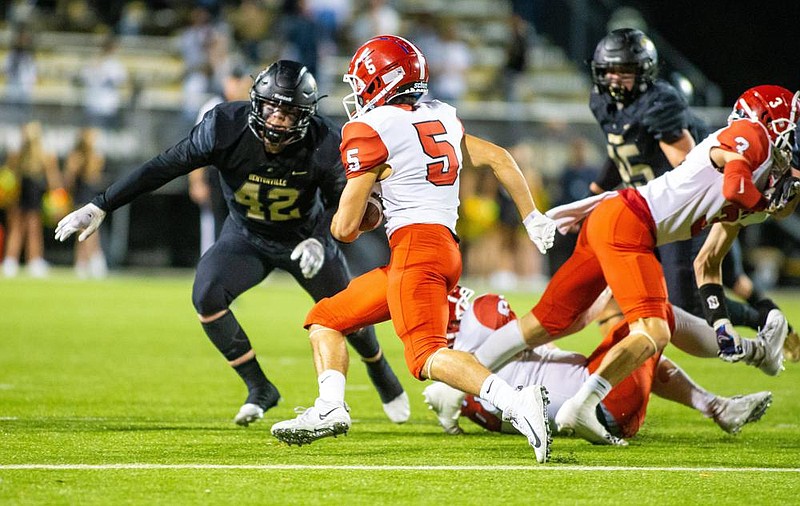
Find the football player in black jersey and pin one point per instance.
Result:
(282, 177)
(649, 130)
(791, 347)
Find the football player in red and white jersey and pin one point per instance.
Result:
(414, 151)
(563, 372)
(738, 175)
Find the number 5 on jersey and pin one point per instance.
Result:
(444, 170)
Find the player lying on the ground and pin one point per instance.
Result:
(623, 411)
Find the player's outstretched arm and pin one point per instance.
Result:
(708, 273)
(708, 262)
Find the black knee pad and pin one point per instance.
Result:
(208, 297)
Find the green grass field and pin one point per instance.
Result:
(111, 393)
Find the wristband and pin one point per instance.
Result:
(712, 298)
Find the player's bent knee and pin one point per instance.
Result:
(209, 299)
(655, 339)
(324, 315)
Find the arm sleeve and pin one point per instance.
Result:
(331, 184)
(608, 178)
(738, 187)
(667, 115)
(192, 152)
(333, 178)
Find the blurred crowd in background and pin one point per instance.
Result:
(92, 88)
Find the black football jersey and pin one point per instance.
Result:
(796, 152)
(280, 197)
(633, 133)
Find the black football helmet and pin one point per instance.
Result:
(628, 51)
(290, 87)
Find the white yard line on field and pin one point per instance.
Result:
(299, 467)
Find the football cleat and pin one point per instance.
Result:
(773, 335)
(732, 413)
(323, 419)
(445, 401)
(398, 409)
(528, 414)
(581, 420)
(259, 401)
(248, 414)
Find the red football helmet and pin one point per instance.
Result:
(458, 301)
(774, 107)
(382, 69)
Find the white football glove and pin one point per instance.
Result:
(541, 230)
(87, 218)
(311, 254)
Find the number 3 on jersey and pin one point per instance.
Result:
(444, 170)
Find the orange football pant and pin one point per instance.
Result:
(615, 247)
(412, 291)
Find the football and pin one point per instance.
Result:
(373, 214)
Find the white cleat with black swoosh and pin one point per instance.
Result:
(323, 419)
(528, 414)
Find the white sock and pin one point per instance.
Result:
(500, 346)
(331, 386)
(497, 391)
(593, 390)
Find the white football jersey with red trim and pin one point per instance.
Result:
(422, 145)
(689, 198)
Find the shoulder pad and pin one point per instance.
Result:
(665, 113)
